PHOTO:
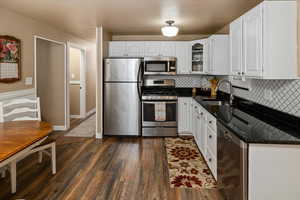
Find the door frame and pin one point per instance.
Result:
(83, 69)
(36, 37)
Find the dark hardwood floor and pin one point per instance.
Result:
(112, 168)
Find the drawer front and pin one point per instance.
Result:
(212, 163)
(212, 141)
(212, 122)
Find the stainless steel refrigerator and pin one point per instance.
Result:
(122, 96)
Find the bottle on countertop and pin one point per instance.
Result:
(194, 92)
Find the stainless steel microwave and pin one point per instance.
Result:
(160, 66)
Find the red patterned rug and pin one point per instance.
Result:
(187, 167)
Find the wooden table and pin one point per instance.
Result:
(17, 139)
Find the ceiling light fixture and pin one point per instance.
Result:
(169, 30)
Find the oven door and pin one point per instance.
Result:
(148, 110)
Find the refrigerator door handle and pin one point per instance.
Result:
(139, 80)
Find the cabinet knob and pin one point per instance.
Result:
(239, 73)
(210, 136)
(184, 103)
(201, 113)
(210, 122)
(196, 107)
(209, 159)
(243, 73)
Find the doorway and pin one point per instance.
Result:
(77, 81)
(50, 80)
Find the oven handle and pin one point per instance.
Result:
(153, 102)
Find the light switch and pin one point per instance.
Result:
(28, 81)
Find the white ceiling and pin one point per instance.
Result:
(80, 17)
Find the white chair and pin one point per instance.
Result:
(21, 110)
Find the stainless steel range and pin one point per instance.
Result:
(159, 108)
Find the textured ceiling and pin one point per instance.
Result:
(80, 17)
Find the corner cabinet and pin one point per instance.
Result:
(263, 42)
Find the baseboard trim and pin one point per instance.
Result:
(75, 116)
(17, 94)
(59, 128)
(99, 135)
(90, 112)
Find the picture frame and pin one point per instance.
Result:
(10, 59)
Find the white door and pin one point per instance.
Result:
(203, 132)
(152, 48)
(211, 43)
(167, 49)
(135, 49)
(183, 55)
(183, 115)
(236, 46)
(252, 32)
(117, 49)
(197, 129)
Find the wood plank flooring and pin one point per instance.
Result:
(112, 168)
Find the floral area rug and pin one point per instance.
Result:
(187, 167)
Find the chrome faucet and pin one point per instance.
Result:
(231, 89)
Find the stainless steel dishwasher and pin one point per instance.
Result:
(232, 165)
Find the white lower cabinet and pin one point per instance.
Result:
(193, 119)
(184, 107)
(204, 130)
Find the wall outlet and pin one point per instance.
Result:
(268, 94)
(28, 81)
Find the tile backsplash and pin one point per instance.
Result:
(186, 81)
(282, 95)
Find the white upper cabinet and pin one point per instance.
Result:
(135, 49)
(267, 47)
(198, 57)
(252, 31)
(236, 45)
(152, 49)
(126, 49)
(117, 49)
(218, 55)
(183, 55)
(167, 49)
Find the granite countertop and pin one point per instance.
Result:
(254, 123)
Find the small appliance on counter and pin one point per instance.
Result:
(159, 108)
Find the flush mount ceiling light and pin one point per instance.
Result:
(170, 30)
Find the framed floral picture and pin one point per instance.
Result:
(10, 59)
